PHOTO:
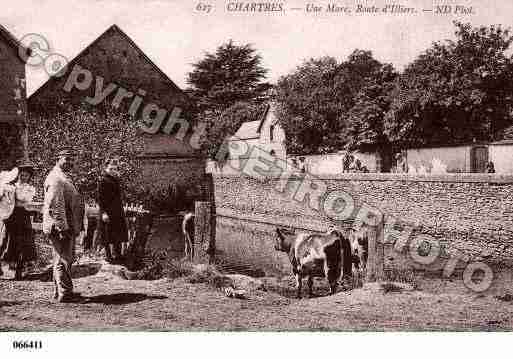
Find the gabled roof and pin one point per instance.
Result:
(248, 130)
(262, 117)
(10, 39)
(252, 129)
(113, 28)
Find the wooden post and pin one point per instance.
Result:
(204, 232)
(375, 261)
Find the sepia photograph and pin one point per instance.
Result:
(231, 166)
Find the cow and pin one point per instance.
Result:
(316, 255)
(188, 234)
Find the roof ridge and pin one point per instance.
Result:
(11, 40)
(113, 27)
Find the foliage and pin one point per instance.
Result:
(316, 98)
(222, 125)
(11, 144)
(366, 119)
(93, 136)
(456, 91)
(233, 73)
(224, 85)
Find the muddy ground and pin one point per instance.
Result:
(116, 304)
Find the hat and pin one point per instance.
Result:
(8, 176)
(25, 164)
(64, 152)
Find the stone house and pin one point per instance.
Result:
(132, 83)
(265, 133)
(13, 101)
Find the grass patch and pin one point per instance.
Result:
(210, 275)
(402, 275)
(389, 287)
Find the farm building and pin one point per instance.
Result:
(264, 133)
(13, 101)
(132, 83)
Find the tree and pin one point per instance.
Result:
(94, 137)
(365, 121)
(222, 125)
(456, 91)
(316, 98)
(232, 74)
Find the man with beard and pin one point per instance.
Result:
(112, 223)
(63, 220)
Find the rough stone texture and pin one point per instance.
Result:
(13, 102)
(469, 215)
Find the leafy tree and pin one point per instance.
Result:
(316, 98)
(456, 91)
(94, 137)
(365, 121)
(221, 125)
(232, 74)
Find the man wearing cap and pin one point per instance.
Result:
(63, 214)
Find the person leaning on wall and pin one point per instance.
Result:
(490, 168)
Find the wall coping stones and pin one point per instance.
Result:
(402, 177)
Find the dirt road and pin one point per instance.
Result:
(165, 305)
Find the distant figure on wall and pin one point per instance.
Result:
(302, 165)
(347, 162)
(490, 168)
(112, 224)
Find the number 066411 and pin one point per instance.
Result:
(27, 344)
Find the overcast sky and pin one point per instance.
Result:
(174, 35)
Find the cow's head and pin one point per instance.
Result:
(283, 240)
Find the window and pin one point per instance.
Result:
(271, 133)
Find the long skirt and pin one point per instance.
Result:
(113, 232)
(18, 242)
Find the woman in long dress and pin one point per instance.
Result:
(112, 223)
(18, 247)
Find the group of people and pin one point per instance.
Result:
(352, 164)
(63, 218)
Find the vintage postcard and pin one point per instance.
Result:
(255, 166)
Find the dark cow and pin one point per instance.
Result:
(316, 255)
(188, 234)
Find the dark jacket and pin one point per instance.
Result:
(110, 201)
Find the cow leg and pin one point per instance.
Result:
(310, 286)
(299, 284)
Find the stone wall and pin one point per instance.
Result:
(470, 215)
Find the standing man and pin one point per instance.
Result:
(63, 219)
(112, 224)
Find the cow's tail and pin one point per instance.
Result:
(347, 256)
